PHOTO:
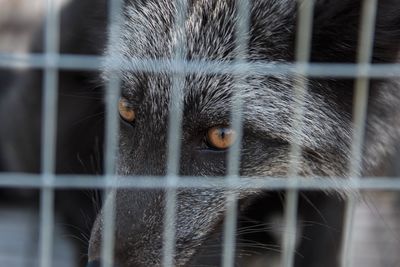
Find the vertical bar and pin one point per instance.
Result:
(364, 56)
(302, 54)
(48, 136)
(111, 141)
(233, 160)
(174, 135)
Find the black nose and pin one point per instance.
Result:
(93, 264)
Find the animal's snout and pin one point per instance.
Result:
(139, 224)
(138, 232)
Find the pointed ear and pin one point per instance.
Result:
(337, 25)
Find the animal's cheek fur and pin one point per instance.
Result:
(261, 158)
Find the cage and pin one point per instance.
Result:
(369, 236)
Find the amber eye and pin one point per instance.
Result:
(220, 137)
(126, 111)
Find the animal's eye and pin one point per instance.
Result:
(126, 110)
(220, 137)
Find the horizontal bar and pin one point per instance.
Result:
(33, 181)
(96, 63)
(60, 61)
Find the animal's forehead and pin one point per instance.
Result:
(148, 33)
(149, 29)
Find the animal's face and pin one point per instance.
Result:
(209, 34)
(269, 100)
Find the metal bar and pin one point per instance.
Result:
(364, 56)
(174, 136)
(34, 181)
(48, 138)
(111, 141)
(89, 63)
(108, 239)
(302, 56)
(242, 29)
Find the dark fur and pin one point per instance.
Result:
(210, 34)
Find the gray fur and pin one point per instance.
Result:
(148, 32)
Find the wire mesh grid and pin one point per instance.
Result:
(51, 61)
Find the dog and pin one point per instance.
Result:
(147, 31)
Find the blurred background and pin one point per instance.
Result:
(20, 22)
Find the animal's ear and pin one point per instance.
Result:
(337, 25)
